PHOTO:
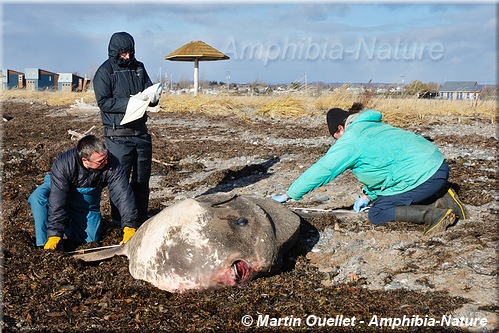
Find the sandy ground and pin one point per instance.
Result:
(344, 265)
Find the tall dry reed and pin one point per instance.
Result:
(289, 105)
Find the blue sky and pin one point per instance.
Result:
(271, 42)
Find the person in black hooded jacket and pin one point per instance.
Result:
(119, 78)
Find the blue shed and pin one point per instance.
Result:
(11, 79)
(70, 82)
(39, 79)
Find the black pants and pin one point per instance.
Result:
(135, 156)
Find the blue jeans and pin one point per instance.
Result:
(84, 213)
(383, 208)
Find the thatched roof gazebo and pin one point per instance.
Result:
(196, 51)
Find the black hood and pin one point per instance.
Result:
(121, 42)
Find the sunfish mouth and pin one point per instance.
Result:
(241, 270)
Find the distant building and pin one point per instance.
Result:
(11, 79)
(39, 79)
(71, 82)
(460, 90)
(427, 94)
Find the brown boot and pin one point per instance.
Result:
(451, 200)
(440, 223)
(435, 219)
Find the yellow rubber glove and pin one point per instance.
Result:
(127, 234)
(52, 243)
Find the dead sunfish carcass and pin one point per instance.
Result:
(211, 241)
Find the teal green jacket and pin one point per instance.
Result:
(386, 159)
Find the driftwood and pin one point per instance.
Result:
(81, 104)
(77, 136)
(163, 163)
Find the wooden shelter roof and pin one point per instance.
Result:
(196, 50)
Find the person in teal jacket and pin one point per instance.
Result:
(405, 176)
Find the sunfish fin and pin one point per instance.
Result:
(102, 254)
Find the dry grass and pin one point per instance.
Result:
(291, 105)
(209, 104)
(284, 107)
(49, 97)
(340, 98)
(402, 111)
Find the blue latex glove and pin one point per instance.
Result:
(282, 198)
(359, 204)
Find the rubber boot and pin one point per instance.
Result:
(435, 219)
(451, 200)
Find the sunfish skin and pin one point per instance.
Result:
(208, 242)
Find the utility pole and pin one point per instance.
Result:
(227, 76)
(306, 88)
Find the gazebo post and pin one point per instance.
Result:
(196, 76)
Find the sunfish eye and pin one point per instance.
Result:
(241, 221)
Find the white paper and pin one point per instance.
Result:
(153, 89)
(136, 108)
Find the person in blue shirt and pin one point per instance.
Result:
(405, 176)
